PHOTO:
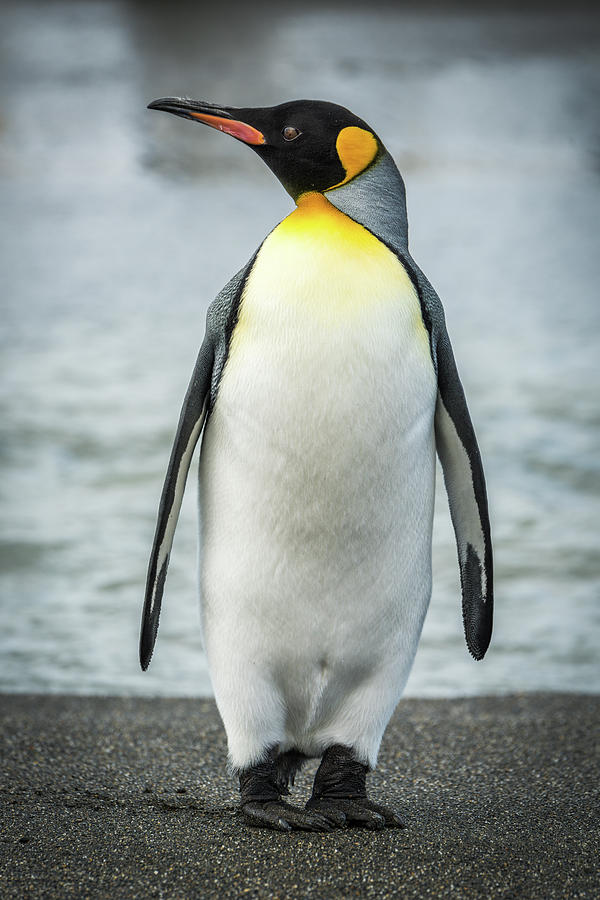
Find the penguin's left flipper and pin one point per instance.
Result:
(463, 474)
(207, 371)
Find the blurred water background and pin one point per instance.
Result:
(119, 225)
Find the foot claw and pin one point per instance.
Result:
(392, 819)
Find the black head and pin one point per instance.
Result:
(310, 145)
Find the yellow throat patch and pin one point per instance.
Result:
(321, 264)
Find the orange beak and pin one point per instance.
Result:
(212, 115)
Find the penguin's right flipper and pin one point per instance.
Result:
(191, 420)
(200, 395)
(463, 474)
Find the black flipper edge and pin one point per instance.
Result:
(191, 422)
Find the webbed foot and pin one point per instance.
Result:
(283, 816)
(340, 785)
(361, 812)
(262, 786)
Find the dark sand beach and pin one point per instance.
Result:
(128, 798)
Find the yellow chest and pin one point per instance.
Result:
(321, 269)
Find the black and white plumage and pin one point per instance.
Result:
(324, 385)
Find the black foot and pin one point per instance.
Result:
(360, 812)
(340, 785)
(284, 817)
(261, 787)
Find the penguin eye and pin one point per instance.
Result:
(290, 133)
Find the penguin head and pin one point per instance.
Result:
(309, 145)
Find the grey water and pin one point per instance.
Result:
(119, 225)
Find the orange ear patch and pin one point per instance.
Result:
(356, 148)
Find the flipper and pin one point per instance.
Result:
(196, 406)
(193, 415)
(463, 473)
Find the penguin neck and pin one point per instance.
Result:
(315, 219)
(376, 199)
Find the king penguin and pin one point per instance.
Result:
(323, 387)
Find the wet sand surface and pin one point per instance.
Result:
(131, 798)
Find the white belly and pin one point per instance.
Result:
(317, 481)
